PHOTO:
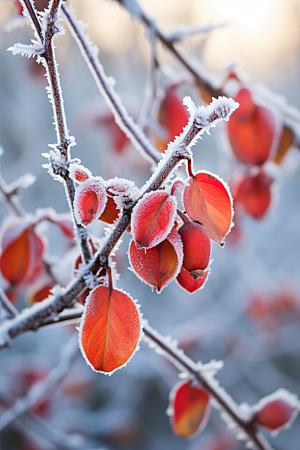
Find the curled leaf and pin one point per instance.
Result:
(207, 199)
(110, 329)
(153, 218)
(190, 409)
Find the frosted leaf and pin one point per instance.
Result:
(119, 186)
(79, 173)
(90, 200)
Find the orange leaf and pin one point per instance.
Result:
(286, 141)
(252, 130)
(159, 265)
(190, 409)
(207, 199)
(153, 218)
(22, 253)
(110, 329)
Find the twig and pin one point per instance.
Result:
(10, 310)
(105, 86)
(223, 399)
(201, 81)
(64, 141)
(10, 197)
(43, 388)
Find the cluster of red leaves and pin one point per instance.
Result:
(256, 137)
(161, 250)
(22, 257)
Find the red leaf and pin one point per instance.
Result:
(251, 130)
(207, 199)
(177, 184)
(22, 253)
(66, 226)
(190, 409)
(79, 173)
(153, 218)
(187, 282)
(111, 211)
(159, 265)
(40, 292)
(90, 200)
(172, 113)
(254, 193)
(110, 329)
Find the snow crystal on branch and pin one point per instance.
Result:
(33, 49)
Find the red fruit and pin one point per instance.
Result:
(277, 410)
(251, 130)
(190, 407)
(254, 194)
(196, 248)
(187, 282)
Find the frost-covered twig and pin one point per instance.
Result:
(179, 32)
(290, 115)
(223, 400)
(7, 306)
(10, 195)
(106, 88)
(43, 388)
(201, 80)
(200, 121)
(46, 30)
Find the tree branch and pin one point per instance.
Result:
(105, 86)
(64, 142)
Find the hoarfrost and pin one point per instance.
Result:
(27, 50)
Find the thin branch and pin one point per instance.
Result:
(105, 86)
(6, 304)
(223, 399)
(290, 115)
(10, 197)
(201, 81)
(43, 388)
(64, 141)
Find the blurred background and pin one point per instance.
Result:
(248, 312)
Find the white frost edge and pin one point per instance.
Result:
(90, 182)
(140, 315)
(281, 394)
(205, 418)
(171, 224)
(72, 169)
